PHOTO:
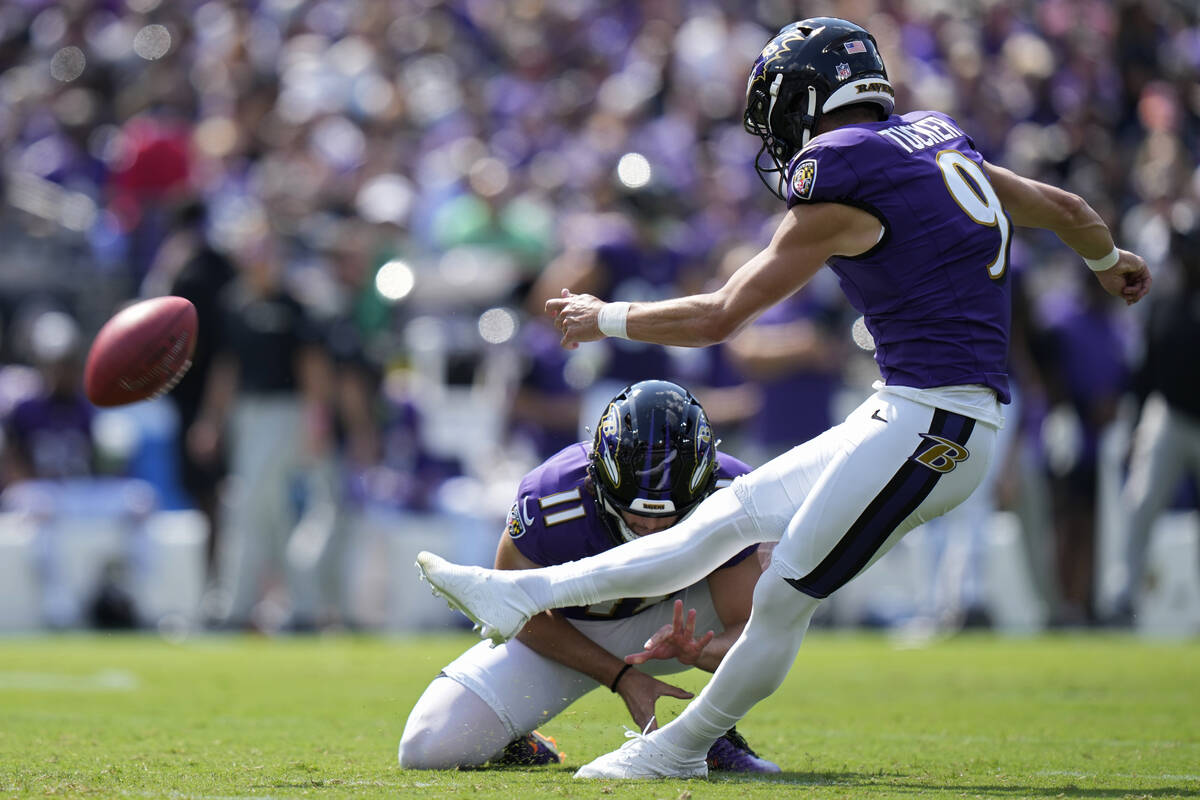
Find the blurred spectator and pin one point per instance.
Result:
(271, 383)
(150, 167)
(408, 475)
(639, 254)
(1084, 362)
(187, 265)
(545, 408)
(1019, 478)
(795, 353)
(52, 471)
(357, 322)
(49, 435)
(1166, 446)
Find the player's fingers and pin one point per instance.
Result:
(1136, 290)
(674, 691)
(638, 658)
(677, 622)
(661, 635)
(568, 339)
(691, 623)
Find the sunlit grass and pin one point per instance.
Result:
(977, 716)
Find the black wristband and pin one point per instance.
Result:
(612, 687)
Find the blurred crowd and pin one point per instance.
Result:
(369, 201)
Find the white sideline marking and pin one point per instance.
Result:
(118, 680)
(994, 740)
(1069, 773)
(201, 796)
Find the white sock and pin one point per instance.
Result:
(660, 563)
(752, 669)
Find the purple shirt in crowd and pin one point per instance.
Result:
(934, 291)
(54, 433)
(639, 273)
(556, 519)
(797, 403)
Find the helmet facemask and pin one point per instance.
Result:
(761, 108)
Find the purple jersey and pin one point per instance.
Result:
(934, 291)
(54, 435)
(556, 519)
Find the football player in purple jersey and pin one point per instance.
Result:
(916, 225)
(651, 462)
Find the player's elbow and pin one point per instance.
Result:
(716, 325)
(712, 330)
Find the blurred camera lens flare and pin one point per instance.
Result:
(395, 280)
(633, 170)
(152, 42)
(67, 64)
(497, 325)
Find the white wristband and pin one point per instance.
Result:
(1104, 262)
(612, 318)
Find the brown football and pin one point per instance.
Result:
(141, 352)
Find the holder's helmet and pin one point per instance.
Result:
(653, 455)
(810, 67)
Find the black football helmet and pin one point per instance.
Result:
(810, 67)
(653, 455)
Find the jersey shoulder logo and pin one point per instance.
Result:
(515, 526)
(942, 455)
(804, 178)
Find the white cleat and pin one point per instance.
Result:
(498, 607)
(642, 758)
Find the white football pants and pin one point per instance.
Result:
(489, 696)
(835, 504)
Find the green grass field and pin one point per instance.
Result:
(217, 717)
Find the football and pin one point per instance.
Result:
(141, 352)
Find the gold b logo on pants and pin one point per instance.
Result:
(942, 455)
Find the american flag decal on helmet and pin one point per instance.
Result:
(855, 47)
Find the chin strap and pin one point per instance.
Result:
(614, 522)
(774, 93)
(621, 529)
(807, 123)
(810, 117)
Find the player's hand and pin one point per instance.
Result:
(203, 440)
(1128, 279)
(640, 693)
(677, 640)
(576, 315)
